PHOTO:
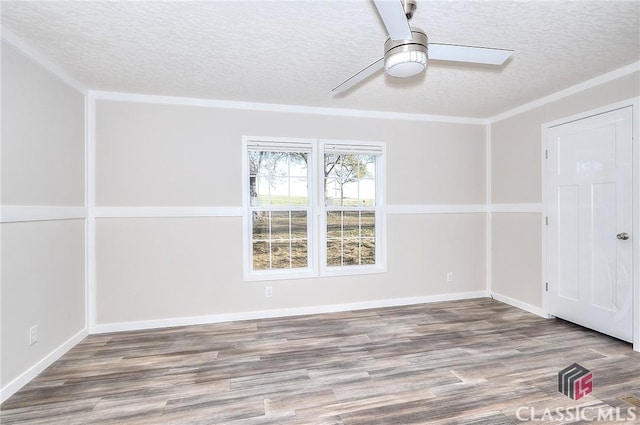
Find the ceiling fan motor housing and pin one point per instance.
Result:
(405, 58)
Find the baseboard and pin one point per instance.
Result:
(519, 304)
(13, 386)
(266, 314)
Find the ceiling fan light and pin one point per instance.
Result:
(406, 63)
(405, 58)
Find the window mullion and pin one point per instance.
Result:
(290, 242)
(342, 238)
(359, 237)
(270, 241)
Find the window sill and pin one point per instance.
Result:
(328, 272)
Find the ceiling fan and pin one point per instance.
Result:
(407, 49)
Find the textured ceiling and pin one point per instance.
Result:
(295, 52)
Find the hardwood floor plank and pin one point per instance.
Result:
(460, 362)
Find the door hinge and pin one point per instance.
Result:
(546, 286)
(546, 154)
(546, 220)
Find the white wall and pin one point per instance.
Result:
(516, 184)
(162, 155)
(42, 278)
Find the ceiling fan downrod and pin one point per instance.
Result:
(409, 7)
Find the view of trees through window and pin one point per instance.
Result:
(278, 186)
(349, 191)
(281, 208)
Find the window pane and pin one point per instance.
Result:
(367, 191)
(368, 237)
(368, 251)
(334, 224)
(260, 225)
(334, 253)
(298, 224)
(277, 191)
(261, 256)
(280, 225)
(279, 240)
(350, 194)
(349, 180)
(332, 192)
(299, 255)
(351, 224)
(298, 191)
(332, 165)
(351, 256)
(278, 178)
(280, 255)
(351, 238)
(368, 224)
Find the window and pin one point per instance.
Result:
(352, 214)
(312, 208)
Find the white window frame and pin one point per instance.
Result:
(316, 225)
(355, 147)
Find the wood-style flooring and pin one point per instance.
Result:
(462, 362)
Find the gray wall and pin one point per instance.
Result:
(42, 280)
(155, 270)
(161, 155)
(516, 178)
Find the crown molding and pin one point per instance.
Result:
(41, 59)
(38, 57)
(272, 107)
(604, 78)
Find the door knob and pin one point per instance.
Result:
(623, 236)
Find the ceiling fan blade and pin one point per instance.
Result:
(456, 53)
(355, 79)
(394, 19)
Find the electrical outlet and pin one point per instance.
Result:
(33, 334)
(268, 291)
(449, 277)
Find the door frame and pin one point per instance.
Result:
(634, 103)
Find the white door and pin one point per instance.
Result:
(589, 201)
